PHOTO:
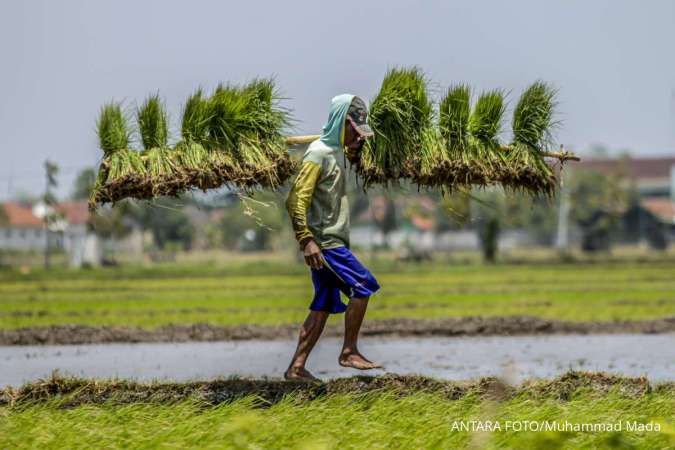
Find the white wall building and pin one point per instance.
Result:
(23, 229)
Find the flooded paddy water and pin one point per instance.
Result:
(513, 357)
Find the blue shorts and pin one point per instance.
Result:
(341, 272)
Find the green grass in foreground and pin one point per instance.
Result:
(386, 417)
(275, 293)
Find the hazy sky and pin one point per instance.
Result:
(613, 62)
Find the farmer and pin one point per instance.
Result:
(319, 212)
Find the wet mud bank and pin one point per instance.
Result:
(461, 326)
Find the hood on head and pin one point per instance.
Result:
(333, 131)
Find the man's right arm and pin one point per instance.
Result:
(299, 199)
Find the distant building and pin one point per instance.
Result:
(653, 218)
(653, 176)
(23, 229)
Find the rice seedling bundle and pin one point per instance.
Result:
(196, 118)
(234, 137)
(460, 146)
(153, 123)
(533, 121)
(163, 176)
(244, 134)
(453, 125)
(467, 139)
(113, 129)
(400, 115)
(485, 155)
(121, 165)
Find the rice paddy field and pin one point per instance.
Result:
(387, 411)
(278, 293)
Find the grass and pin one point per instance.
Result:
(384, 412)
(276, 293)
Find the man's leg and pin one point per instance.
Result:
(309, 333)
(350, 356)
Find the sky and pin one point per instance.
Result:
(612, 62)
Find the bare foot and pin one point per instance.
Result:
(357, 361)
(299, 374)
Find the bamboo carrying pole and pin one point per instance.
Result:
(562, 155)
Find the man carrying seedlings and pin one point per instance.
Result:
(319, 212)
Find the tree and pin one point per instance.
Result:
(84, 183)
(385, 218)
(489, 238)
(597, 203)
(168, 224)
(535, 214)
(112, 222)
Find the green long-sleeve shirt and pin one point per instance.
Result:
(318, 203)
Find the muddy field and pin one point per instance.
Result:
(462, 326)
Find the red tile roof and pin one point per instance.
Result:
(661, 207)
(636, 168)
(21, 216)
(75, 213)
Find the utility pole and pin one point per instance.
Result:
(49, 200)
(562, 238)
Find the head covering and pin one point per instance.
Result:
(333, 131)
(342, 106)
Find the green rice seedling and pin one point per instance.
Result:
(453, 117)
(533, 116)
(430, 161)
(196, 117)
(533, 122)
(247, 123)
(471, 137)
(399, 114)
(484, 127)
(224, 168)
(249, 112)
(113, 128)
(153, 123)
(114, 136)
(227, 112)
(255, 161)
(159, 163)
(123, 164)
(266, 119)
(125, 176)
(192, 156)
(453, 125)
(485, 122)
